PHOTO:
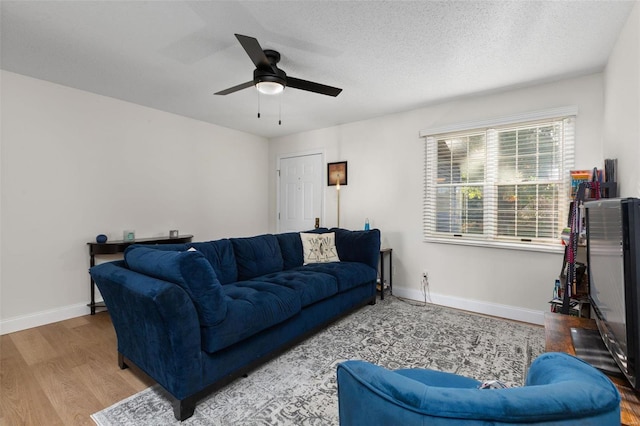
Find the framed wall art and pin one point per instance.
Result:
(337, 173)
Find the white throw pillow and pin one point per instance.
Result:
(319, 248)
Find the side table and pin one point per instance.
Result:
(119, 246)
(383, 253)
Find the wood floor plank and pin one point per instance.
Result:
(22, 401)
(8, 349)
(76, 350)
(104, 383)
(76, 322)
(33, 346)
(71, 398)
(61, 373)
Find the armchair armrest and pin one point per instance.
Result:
(560, 389)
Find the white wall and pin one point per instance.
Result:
(75, 164)
(385, 165)
(622, 106)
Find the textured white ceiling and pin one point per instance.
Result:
(387, 56)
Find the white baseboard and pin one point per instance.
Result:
(478, 306)
(36, 319)
(24, 322)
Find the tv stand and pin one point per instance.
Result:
(557, 330)
(590, 348)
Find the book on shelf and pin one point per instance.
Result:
(578, 177)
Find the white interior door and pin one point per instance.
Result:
(300, 192)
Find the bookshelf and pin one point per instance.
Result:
(571, 295)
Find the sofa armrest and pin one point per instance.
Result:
(156, 325)
(358, 246)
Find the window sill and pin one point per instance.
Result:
(544, 248)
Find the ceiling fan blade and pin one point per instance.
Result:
(255, 52)
(235, 88)
(310, 86)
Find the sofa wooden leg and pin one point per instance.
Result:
(183, 408)
(123, 365)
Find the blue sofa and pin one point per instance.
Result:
(196, 316)
(560, 390)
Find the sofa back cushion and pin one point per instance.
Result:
(358, 246)
(220, 255)
(257, 256)
(165, 247)
(291, 247)
(188, 269)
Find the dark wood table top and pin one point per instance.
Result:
(557, 330)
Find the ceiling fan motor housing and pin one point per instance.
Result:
(272, 73)
(260, 75)
(272, 55)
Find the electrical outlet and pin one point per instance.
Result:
(424, 281)
(424, 284)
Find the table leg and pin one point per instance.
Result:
(390, 271)
(381, 275)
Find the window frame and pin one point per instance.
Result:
(491, 128)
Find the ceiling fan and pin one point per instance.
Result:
(268, 78)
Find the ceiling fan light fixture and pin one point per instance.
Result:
(268, 78)
(269, 87)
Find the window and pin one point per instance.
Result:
(504, 181)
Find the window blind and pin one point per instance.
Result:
(505, 183)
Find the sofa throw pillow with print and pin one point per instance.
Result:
(319, 248)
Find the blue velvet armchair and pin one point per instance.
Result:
(560, 390)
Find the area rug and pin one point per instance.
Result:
(299, 387)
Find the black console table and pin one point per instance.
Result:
(119, 246)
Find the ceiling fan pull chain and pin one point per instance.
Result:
(280, 109)
(258, 104)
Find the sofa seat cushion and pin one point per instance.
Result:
(311, 286)
(348, 274)
(219, 253)
(252, 306)
(257, 256)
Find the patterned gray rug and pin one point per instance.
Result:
(299, 387)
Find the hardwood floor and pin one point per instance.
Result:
(61, 373)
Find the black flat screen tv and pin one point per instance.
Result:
(613, 251)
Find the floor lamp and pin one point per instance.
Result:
(337, 175)
(338, 190)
